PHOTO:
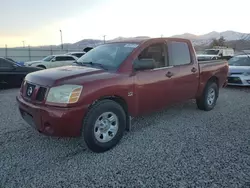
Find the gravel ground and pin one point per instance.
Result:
(178, 147)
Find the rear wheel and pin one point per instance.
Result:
(209, 97)
(104, 126)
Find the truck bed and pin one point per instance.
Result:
(212, 61)
(216, 68)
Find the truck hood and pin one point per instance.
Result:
(54, 76)
(238, 69)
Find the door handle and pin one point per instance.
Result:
(193, 69)
(169, 74)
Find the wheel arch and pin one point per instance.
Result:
(203, 85)
(214, 79)
(121, 101)
(41, 66)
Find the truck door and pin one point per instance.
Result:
(184, 73)
(153, 87)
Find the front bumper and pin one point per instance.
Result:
(53, 121)
(238, 80)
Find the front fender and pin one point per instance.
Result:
(95, 92)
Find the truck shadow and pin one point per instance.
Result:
(164, 115)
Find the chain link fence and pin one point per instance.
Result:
(24, 54)
(21, 55)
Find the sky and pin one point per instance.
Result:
(39, 22)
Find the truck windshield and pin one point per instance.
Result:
(48, 58)
(239, 61)
(108, 56)
(211, 52)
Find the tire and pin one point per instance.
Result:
(41, 66)
(101, 112)
(204, 103)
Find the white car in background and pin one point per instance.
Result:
(216, 53)
(239, 70)
(53, 61)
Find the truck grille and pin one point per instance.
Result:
(234, 80)
(34, 92)
(41, 94)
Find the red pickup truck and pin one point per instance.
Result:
(114, 82)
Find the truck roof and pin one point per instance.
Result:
(142, 40)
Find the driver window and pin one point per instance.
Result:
(155, 52)
(4, 64)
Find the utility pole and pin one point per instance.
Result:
(104, 39)
(23, 44)
(61, 39)
(161, 36)
(6, 50)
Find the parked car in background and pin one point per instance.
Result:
(239, 70)
(87, 49)
(216, 53)
(76, 54)
(10, 59)
(20, 63)
(114, 82)
(12, 74)
(53, 61)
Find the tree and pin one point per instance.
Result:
(214, 43)
(219, 42)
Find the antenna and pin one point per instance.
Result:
(104, 39)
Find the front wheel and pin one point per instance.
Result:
(209, 97)
(104, 126)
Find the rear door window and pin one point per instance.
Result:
(179, 53)
(68, 58)
(61, 58)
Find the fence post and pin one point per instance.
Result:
(51, 52)
(29, 54)
(6, 50)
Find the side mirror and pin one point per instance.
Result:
(144, 64)
(53, 60)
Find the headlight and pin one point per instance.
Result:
(246, 73)
(65, 94)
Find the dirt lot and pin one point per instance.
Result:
(178, 147)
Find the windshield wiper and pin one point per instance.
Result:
(91, 63)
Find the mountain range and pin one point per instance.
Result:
(233, 39)
(228, 36)
(198, 40)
